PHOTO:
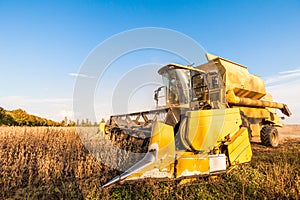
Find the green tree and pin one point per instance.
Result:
(71, 123)
(63, 123)
(20, 116)
(82, 123)
(8, 120)
(66, 121)
(87, 122)
(2, 116)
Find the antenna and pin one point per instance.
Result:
(191, 65)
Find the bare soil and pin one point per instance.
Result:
(289, 131)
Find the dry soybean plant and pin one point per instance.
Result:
(31, 157)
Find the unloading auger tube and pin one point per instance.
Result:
(241, 101)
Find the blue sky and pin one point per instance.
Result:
(43, 42)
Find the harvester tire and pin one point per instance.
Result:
(269, 136)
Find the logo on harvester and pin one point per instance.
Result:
(130, 70)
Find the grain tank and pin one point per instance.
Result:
(248, 93)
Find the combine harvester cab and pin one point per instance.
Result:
(205, 128)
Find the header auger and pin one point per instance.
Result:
(210, 114)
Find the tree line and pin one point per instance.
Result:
(20, 117)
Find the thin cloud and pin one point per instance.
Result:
(80, 75)
(51, 100)
(290, 71)
(284, 87)
(283, 77)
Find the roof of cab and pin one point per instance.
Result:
(177, 66)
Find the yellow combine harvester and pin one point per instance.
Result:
(205, 128)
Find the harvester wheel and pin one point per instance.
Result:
(269, 136)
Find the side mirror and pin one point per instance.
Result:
(156, 94)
